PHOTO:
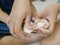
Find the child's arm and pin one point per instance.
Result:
(50, 13)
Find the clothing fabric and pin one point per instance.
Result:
(6, 6)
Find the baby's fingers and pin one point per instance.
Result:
(45, 31)
(41, 34)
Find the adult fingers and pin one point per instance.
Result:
(28, 21)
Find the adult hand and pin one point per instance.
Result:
(27, 38)
(21, 10)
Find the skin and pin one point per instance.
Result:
(18, 14)
(6, 21)
(4, 18)
(50, 13)
(46, 41)
(53, 38)
(9, 39)
(15, 19)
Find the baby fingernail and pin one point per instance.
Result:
(29, 27)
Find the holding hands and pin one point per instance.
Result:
(50, 14)
(16, 18)
(24, 12)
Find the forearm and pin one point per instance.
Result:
(55, 9)
(3, 16)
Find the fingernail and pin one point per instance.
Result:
(29, 27)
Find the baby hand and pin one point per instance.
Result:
(41, 26)
(41, 23)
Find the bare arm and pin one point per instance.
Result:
(4, 17)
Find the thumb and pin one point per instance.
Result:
(27, 21)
